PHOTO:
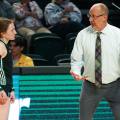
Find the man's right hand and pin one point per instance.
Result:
(78, 77)
(3, 97)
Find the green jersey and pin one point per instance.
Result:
(6, 69)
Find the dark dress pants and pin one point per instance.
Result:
(91, 96)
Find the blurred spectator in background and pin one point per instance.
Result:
(63, 17)
(6, 10)
(28, 16)
(16, 47)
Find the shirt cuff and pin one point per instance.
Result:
(76, 72)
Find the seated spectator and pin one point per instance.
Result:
(28, 16)
(16, 47)
(63, 17)
(6, 10)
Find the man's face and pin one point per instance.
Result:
(96, 19)
(15, 50)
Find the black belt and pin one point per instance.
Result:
(114, 83)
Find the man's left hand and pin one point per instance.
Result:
(78, 77)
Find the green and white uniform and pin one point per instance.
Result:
(6, 70)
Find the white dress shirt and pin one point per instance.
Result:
(83, 53)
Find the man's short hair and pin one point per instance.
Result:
(104, 9)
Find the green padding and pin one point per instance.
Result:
(55, 97)
(74, 88)
(48, 83)
(45, 77)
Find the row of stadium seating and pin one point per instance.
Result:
(48, 45)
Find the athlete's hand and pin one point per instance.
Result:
(12, 97)
(3, 97)
(77, 77)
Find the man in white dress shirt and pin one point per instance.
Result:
(84, 54)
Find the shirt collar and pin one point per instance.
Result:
(104, 31)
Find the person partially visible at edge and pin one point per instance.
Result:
(97, 48)
(28, 19)
(63, 17)
(16, 46)
(7, 32)
(6, 10)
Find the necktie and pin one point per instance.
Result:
(98, 74)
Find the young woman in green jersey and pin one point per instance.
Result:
(7, 32)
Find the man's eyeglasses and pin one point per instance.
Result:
(94, 17)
